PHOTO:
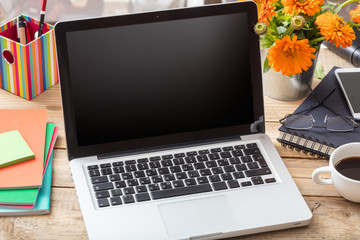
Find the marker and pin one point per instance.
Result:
(21, 30)
(42, 18)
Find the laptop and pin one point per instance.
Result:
(164, 122)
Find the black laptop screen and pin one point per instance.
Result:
(158, 79)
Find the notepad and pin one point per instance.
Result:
(31, 123)
(14, 149)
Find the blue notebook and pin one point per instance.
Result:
(319, 140)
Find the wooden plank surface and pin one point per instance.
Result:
(334, 217)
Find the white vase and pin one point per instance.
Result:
(281, 87)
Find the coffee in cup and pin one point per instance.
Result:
(344, 168)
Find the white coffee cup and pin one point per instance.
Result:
(347, 187)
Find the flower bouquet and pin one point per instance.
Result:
(293, 30)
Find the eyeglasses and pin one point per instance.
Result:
(333, 124)
(339, 123)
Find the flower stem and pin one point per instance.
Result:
(344, 4)
(288, 31)
(320, 39)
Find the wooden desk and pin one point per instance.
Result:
(334, 217)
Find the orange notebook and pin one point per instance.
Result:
(31, 123)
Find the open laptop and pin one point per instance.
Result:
(164, 121)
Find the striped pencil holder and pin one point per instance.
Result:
(27, 69)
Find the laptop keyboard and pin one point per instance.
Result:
(159, 177)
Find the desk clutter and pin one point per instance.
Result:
(25, 186)
(28, 64)
(320, 141)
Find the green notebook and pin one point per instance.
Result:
(28, 196)
(14, 149)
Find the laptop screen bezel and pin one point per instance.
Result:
(124, 147)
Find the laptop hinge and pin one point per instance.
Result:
(167, 147)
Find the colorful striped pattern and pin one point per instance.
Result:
(35, 66)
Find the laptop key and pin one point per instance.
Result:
(190, 182)
(169, 177)
(246, 184)
(139, 174)
(178, 183)
(233, 184)
(215, 150)
(187, 167)
(199, 165)
(116, 192)
(126, 176)
(202, 180)
(130, 168)
(217, 170)
(120, 184)
(251, 145)
(257, 180)
(157, 158)
(237, 153)
(181, 175)
(141, 197)
(102, 194)
(93, 167)
(130, 162)
(169, 156)
(192, 153)
(230, 148)
(211, 164)
(132, 182)
(115, 201)
(241, 167)
(193, 174)
(141, 189)
(129, 190)
(223, 162)
(106, 171)
(202, 158)
(94, 173)
(154, 187)
(115, 177)
(270, 180)
(191, 159)
(252, 165)
(204, 151)
(164, 170)
(157, 179)
(219, 186)
(181, 191)
(214, 156)
(179, 161)
(166, 163)
(103, 186)
(229, 168)
(118, 164)
(118, 169)
(179, 155)
(226, 176)
(238, 175)
(246, 159)
(105, 165)
(257, 172)
(145, 180)
(154, 164)
(239, 146)
(128, 199)
(214, 178)
(225, 155)
(251, 151)
(142, 160)
(165, 185)
(142, 166)
(103, 202)
(102, 179)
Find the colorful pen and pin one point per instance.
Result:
(42, 17)
(21, 30)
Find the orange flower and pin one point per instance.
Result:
(335, 30)
(291, 57)
(266, 10)
(308, 7)
(355, 14)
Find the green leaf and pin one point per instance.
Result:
(266, 42)
(319, 72)
(281, 30)
(266, 65)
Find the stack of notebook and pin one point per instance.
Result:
(319, 141)
(27, 142)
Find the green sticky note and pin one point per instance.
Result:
(14, 149)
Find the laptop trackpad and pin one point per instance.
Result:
(191, 218)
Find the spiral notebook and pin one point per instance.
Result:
(319, 141)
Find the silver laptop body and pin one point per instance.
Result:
(164, 123)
